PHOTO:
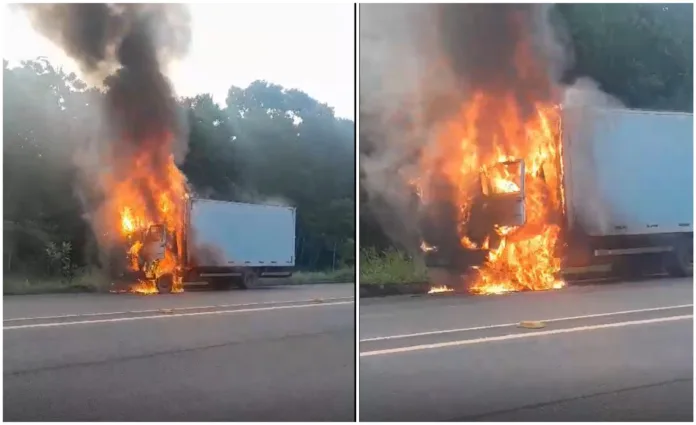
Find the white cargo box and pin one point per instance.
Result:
(244, 235)
(628, 172)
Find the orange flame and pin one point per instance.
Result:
(505, 186)
(440, 289)
(152, 193)
(488, 131)
(427, 248)
(143, 287)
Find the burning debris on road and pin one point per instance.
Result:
(440, 289)
(134, 193)
(487, 132)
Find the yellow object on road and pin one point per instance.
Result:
(530, 324)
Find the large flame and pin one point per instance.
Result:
(524, 258)
(152, 193)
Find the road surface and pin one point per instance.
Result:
(620, 351)
(275, 354)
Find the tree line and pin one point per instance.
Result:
(265, 143)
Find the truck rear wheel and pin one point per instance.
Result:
(165, 284)
(250, 280)
(679, 262)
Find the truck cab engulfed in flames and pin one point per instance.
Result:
(502, 187)
(215, 243)
(153, 260)
(497, 211)
(151, 251)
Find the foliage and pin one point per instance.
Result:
(86, 280)
(640, 53)
(345, 275)
(390, 266)
(60, 261)
(265, 143)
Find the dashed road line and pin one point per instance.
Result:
(116, 313)
(522, 335)
(168, 316)
(507, 325)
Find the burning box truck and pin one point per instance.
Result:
(220, 243)
(626, 196)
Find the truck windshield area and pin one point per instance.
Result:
(155, 233)
(503, 178)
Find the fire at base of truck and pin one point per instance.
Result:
(151, 263)
(503, 196)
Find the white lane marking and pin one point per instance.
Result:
(507, 325)
(521, 335)
(115, 313)
(167, 316)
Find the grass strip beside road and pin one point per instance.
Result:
(83, 281)
(345, 275)
(396, 268)
(94, 281)
(390, 268)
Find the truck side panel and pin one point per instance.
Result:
(629, 172)
(229, 234)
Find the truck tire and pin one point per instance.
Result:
(165, 284)
(249, 280)
(679, 262)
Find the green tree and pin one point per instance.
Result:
(640, 53)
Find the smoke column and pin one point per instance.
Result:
(499, 49)
(124, 49)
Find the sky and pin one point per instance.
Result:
(304, 46)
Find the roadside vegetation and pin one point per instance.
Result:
(343, 275)
(95, 281)
(81, 281)
(390, 267)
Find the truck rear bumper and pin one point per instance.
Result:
(633, 251)
(281, 273)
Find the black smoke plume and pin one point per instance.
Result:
(124, 49)
(482, 44)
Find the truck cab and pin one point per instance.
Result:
(154, 243)
(502, 187)
(148, 253)
(496, 210)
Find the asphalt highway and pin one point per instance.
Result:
(271, 354)
(607, 352)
